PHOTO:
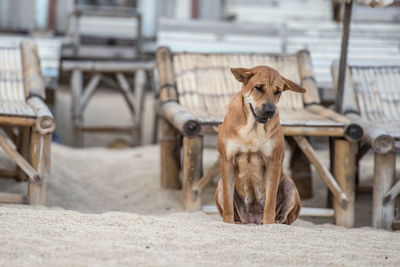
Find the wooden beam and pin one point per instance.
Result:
(344, 172)
(45, 122)
(32, 174)
(330, 181)
(348, 6)
(384, 177)
(12, 198)
(199, 185)
(109, 129)
(170, 154)
(89, 91)
(40, 160)
(180, 118)
(392, 193)
(166, 75)
(192, 170)
(16, 121)
(106, 66)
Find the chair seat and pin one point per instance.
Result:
(16, 108)
(288, 117)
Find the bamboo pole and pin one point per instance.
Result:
(384, 177)
(169, 139)
(307, 78)
(77, 116)
(199, 185)
(392, 193)
(16, 121)
(166, 75)
(169, 136)
(192, 170)
(178, 117)
(33, 175)
(330, 181)
(33, 80)
(344, 172)
(44, 119)
(300, 170)
(40, 160)
(12, 198)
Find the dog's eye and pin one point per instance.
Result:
(278, 91)
(259, 88)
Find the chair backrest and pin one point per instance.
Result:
(11, 74)
(377, 91)
(205, 83)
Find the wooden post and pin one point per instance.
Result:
(384, 177)
(344, 172)
(23, 145)
(192, 170)
(169, 136)
(348, 6)
(169, 154)
(40, 160)
(77, 117)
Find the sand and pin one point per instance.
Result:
(66, 238)
(146, 225)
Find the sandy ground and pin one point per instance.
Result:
(68, 238)
(106, 207)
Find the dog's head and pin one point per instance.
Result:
(262, 88)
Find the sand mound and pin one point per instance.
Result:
(68, 238)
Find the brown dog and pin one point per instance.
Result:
(253, 188)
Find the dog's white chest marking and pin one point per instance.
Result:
(251, 138)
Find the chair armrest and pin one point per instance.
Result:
(179, 118)
(45, 123)
(353, 130)
(380, 140)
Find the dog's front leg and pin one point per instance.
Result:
(228, 189)
(273, 174)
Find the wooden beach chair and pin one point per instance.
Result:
(371, 98)
(26, 120)
(194, 92)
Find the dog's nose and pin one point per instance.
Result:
(268, 110)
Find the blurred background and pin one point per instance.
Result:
(131, 30)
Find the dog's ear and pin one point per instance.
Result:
(289, 85)
(242, 74)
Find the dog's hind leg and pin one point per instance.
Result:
(288, 203)
(218, 197)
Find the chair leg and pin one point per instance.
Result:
(23, 145)
(300, 170)
(77, 116)
(384, 177)
(344, 172)
(192, 170)
(169, 155)
(40, 160)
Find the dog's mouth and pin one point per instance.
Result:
(256, 117)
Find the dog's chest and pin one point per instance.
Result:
(250, 180)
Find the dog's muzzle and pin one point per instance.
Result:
(262, 116)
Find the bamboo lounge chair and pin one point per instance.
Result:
(26, 120)
(371, 97)
(194, 92)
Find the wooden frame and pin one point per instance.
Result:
(117, 32)
(177, 124)
(29, 134)
(380, 135)
(114, 74)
